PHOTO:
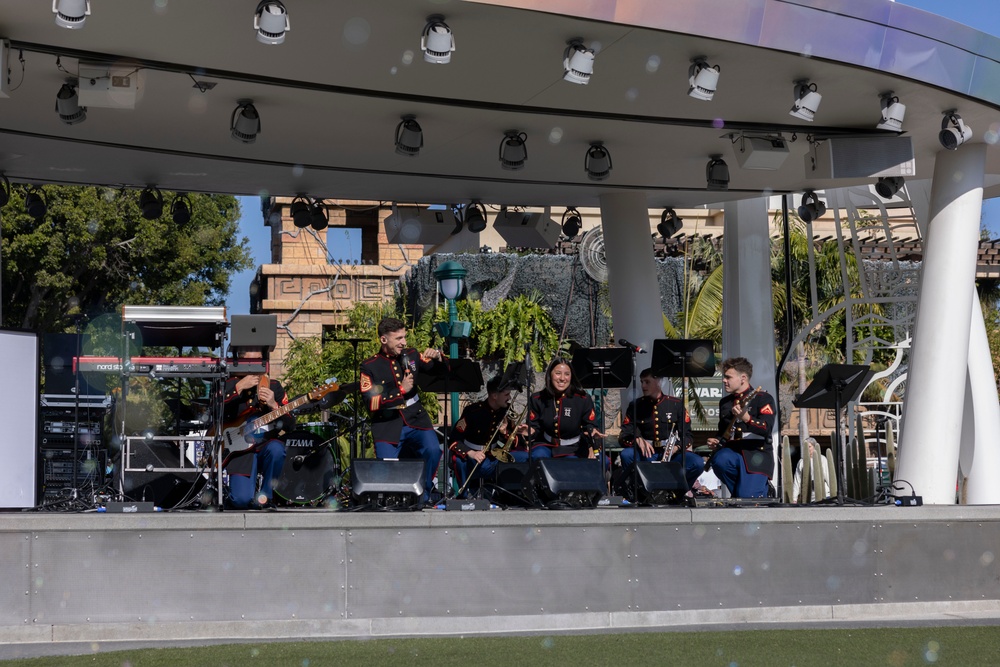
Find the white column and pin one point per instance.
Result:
(979, 455)
(632, 279)
(935, 386)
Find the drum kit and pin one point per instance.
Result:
(317, 455)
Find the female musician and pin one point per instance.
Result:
(561, 417)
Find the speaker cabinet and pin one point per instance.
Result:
(165, 488)
(388, 484)
(653, 483)
(571, 482)
(509, 487)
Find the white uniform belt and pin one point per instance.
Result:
(562, 441)
(411, 400)
(473, 446)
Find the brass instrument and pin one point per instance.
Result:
(731, 429)
(670, 442)
(502, 452)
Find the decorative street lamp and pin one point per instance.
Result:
(451, 279)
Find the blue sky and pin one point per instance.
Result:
(981, 14)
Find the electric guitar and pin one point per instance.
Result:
(239, 436)
(731, 430)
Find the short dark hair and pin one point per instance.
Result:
(574, 384)
(647, 373)
(495, 385)
(738, 364)
(389, 325)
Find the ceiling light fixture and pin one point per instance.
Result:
(71, 13)
(571, 223)
(151, 202)
(956, 135)
(812, 207)
(271, 22)
(301, 216)
(806, 100)
(474, 217)
(597, 162)
(513, 150)
(437, 41)
(702, 79)
(578, 62)
(670, 223)
(68, 105)
(893, 113)
(4, 191)
(34, 203)
(717, 173)
(244, 126)
(409, 137)
(888, 186)
(180, 210)
(319, 215)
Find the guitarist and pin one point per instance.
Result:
(744, 458)
(247, 396)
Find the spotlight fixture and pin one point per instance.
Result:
(956, 135)
(68, 105)
(437, 41)
(670, 223)
(409, 137)
(301, 215)
(717, 173)
(702, 79)
(34, 203)
(244, 126)
(474, 217)
(513, 150)
(571, 222)
(888, 186)
(597, 162)
(812, 207)
(180, 210)
(319, 215)
(71, 13)
(151, 202)
(892, 113)
(578, 63)
(806, 100)
(271, 22)
(4, 191)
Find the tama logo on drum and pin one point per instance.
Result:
(299, 443)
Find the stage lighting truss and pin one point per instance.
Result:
(888, 186)
(513, 150)
(807, 100)
(893, 113)
(244, 126)
(670, 223)
(4, 190)
(702, 79)
(319, 215)
(578, 63)
(409, 137)
(68, 105)
(812, 207)
(151, 202)
(71, 13)
(271, 22)
(717, 173)
(301, 216)
(597, 162)
(437, 40)
(180, 209)
(954, 131)
(571, 223)
(474, 217)
(34, 203)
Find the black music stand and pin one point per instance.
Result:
(834, 386)
(446, 377)
(604, 368)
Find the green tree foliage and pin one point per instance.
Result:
(94, 252)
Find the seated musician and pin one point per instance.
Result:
(655, 421)
(561, 417)
(483, 426)
(744, 457)
(248, 396)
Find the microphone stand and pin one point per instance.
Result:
(354, 425)
(635, 417)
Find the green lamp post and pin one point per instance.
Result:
(451, 280)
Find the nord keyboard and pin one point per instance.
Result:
(145, 365)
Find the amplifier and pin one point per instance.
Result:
(57, 471)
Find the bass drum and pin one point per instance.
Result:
(310, 473)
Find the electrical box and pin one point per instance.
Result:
(108, 86)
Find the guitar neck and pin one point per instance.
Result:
(280, 412)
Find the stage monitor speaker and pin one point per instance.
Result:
(572, 482)
(388, 484)
(521, 229)
(411, 225)
(165, 489)
(658, 483)
(861, 157)
(509, 487)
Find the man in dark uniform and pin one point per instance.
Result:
(246, 397)
(744, 458)
(481, 427)
(400, 425)
(655, 421)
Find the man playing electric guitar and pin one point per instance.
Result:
(743, 458)
(246, 397)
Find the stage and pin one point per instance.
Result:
(314, 573)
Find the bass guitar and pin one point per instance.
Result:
(731, 431)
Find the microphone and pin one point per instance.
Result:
(634, 348)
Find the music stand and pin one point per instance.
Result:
(449, 376)
(603, 368)
(834, 386)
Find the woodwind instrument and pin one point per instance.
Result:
(731, 429)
